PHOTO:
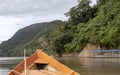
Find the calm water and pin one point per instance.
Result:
(85, 66)
(6, 64)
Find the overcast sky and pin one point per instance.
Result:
(16, 14)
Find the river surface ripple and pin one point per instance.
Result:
(84, 66)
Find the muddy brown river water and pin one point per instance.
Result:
(84, 66)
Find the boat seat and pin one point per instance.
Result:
(52, 72)
(41, 72)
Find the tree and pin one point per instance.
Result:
(81, 13)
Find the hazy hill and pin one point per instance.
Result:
(97, 25)
(22, 36)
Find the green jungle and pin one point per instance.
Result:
(97, 25)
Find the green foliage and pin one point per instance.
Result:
(60, 42)
(98, 24)
(60, 37)
(82, 12)
(29, 38)
(102, 29)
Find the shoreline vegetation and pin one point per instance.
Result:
(99, 55)
(88, 27)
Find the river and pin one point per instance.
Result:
(85, 66)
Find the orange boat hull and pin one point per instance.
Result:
(36, 62)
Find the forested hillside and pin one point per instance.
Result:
(97, 25)
(25, 36)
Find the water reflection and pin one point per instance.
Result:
(93, 66)
(6, 64)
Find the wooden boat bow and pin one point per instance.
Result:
(40, 63)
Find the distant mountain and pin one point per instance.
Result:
(0, 42)
(24, 36)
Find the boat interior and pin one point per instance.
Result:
(40, 69)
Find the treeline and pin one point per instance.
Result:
(98, 25)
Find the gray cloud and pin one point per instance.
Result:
(34, 7)
(16, 14)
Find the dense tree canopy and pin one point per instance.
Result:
(98, 24)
